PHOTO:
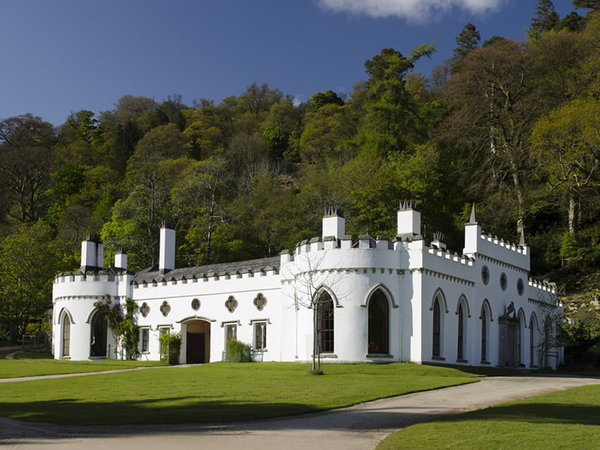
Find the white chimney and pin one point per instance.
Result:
(100, 255)
(334, 223)
(121, 260)
(88, 254)
(166, 260)
(409, 219)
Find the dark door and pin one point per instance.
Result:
(195, 352)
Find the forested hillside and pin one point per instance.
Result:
(513, 127)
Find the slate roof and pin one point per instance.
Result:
(254, 265)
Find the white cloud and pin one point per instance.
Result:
(409, 9)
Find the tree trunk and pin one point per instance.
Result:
(520, 200)
(572, 214)
(210, 225)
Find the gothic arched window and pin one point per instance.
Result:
(379, 323)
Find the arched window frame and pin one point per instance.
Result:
(65, 321)
(521, 337)
(533, 332)
(463, 313)
(438, 308)
(326, 321)
(486, 320)
(378, 345)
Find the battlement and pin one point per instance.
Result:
(505, 244)
(477, 243)
(89, 277)
(450, 256)
(543, 285)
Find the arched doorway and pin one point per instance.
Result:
(98, 337)
(197, 347)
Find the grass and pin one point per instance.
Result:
(217, 392)
(565, 419)
(32, 363)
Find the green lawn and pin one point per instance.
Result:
(215, 392)
(565, 419)
(32, 364)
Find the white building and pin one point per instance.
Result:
(380, 300)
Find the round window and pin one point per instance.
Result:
(520, 286)
(503, 281)
(195, 304)
(485, 275)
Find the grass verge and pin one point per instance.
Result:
(217, 392)
(31, 364)
(565, 419)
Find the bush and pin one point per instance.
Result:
(170, 345)
(237, 351)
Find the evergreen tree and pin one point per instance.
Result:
(587, 4)
(467, 40)
(545, 18)
(572, 22)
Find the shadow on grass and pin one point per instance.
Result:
(172, 410)
(535, 413)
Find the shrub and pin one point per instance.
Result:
(170, 345)
(237, 351)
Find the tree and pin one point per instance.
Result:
(567, 144)
(163, 142)
(198, 196)
(25, 154)
(545, 19)
(587, 4)
(388, 121)
(326, 135)
(572, 22)
(324, 98)
(308, 281)
(28, 263)
(497, 104)
(468, 40)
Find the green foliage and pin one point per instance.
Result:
(131, 334)
(588, 4)
(237, 351)
(545, 19)
(568, 246)
(170, 344)
(28, 262)
(468, 40)
(40, 328)
(324, 98)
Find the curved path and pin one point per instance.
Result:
(357, 427)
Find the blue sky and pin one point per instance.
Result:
(62, 56)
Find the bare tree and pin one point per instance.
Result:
(313, 278)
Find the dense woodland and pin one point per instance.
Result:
(513, 127)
